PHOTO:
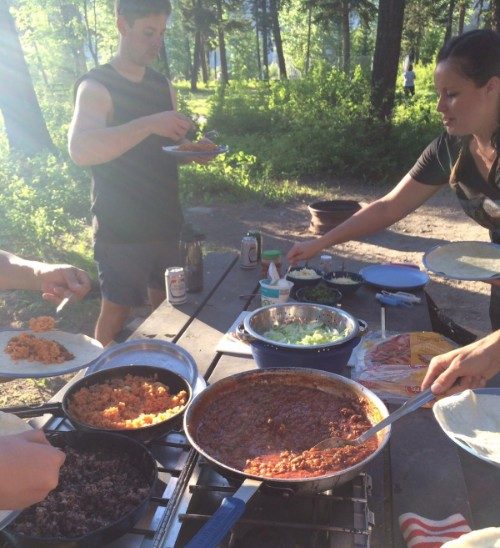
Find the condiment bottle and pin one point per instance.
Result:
(270, 256)
(326, 264)
(192, 258)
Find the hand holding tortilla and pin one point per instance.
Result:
(29, 465)
(472, 365)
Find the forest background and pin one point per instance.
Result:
(304, 92)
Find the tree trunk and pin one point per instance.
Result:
(91, 45)
(257, 41)
(346, 37)
(203, 60)
(23, 119)
(449, 21)
(224, 72)
(386, 56)
(277, 38)
(461, 18)
(496, 15)
(265, 58)
(196, 61)
(189, 66)
(308, 46)
(164, 60)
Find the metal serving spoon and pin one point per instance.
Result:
(411, 405)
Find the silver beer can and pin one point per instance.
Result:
(175, 284)
(249, 248)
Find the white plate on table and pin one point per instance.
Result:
(85, 351)
(471, 419)
(475, 261)
(191, 154)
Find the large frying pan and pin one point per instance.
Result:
(233, 507)
(146, 433)
(141, 459)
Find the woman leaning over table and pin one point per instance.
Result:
(467, 80)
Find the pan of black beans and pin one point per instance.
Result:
(105, 485)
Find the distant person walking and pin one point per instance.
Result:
(409, 81)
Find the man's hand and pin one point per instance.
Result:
(171, 124)
(59, 281)
(29, 469)
(302, 251)
(471, 366)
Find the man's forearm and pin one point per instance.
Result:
(17, 273)
(98, 146)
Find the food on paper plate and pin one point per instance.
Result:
(198, 146)
(42, 323)
(31, 348)
(126, 403)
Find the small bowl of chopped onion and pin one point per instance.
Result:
(346, 282)
(303, 276)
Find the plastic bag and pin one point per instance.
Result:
(394, 367)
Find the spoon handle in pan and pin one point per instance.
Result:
(411, 405)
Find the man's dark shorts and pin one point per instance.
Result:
(126, 271)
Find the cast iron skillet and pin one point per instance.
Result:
(141, 459)
(174, 382)
(233, 507)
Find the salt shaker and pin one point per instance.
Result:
(326, 264)
(192, 258)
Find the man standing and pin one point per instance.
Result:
(125, 112)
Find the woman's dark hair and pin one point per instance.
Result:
(477, 56)
(136, 9)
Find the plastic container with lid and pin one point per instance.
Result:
(326, 263)
(270, 256)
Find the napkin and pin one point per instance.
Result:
(272, 273)
(420, 532)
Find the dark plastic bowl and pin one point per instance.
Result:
(345, 289)
(330, 297)
(302, 282)
(332, 359)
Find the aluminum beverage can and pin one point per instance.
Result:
(175, 284)
(249, 252)
(257, 234)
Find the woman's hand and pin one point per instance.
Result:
(302, 251)
(471, 366)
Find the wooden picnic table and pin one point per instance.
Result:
(420, 471)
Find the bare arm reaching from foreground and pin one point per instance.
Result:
(472, 365)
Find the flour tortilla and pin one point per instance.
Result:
(482, 538)
(82, 347)
(465, 260)
(473, 419)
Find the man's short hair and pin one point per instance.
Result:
(136, 9)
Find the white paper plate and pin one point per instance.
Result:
(190, 154)
(472, 420)
(475, 261)
(85, 350)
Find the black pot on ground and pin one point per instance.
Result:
(328, 214)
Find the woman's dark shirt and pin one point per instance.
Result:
(135, 197)
(480, 199)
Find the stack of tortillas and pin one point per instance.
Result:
(472, 420)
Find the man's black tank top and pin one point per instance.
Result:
(135, 197)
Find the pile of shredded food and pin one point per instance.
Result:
(33, 349)
(126, 403)
(42, 323)
(309, 334)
